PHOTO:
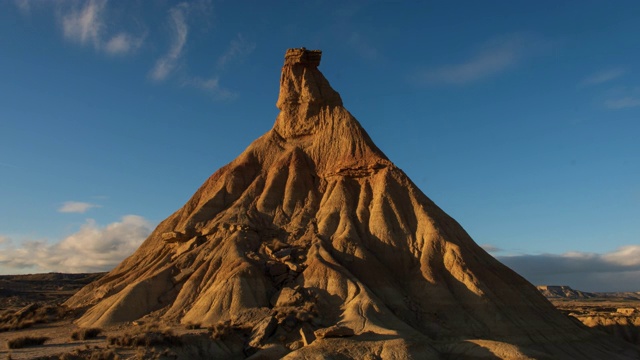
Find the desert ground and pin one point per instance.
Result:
(34, 302)
(616, 313)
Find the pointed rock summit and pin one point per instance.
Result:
(313, 242)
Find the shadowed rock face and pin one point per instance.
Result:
(313, 219)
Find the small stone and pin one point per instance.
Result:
(282, 253)
(268, 250)
(174, 236)
(295, 345)
(307, 334)
(293, 266)
(334, 331)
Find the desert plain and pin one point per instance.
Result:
(25, 299)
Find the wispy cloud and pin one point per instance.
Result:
(362, 46)
(123, 43)
(23, 5)
(490, 248)
(76, 207)
(603, 76)
(623, 102)
(622, 98)
(166, 64)
(92, 248)
(495, 56)
(238, 48)
(7, 164)
(618, 270)
(211, 86)
(86, 25)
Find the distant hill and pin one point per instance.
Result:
(51, 288)
(559, 292)
(563, 291)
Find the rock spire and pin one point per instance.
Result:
(313, 242)
(303, 92)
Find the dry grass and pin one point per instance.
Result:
(26, 341)
(152, 354)
(221, 330)
(193, 326)
(28, 316)
(86, 334)
(147, 336)
(97, 354)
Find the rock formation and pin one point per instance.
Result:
(563, 292)
(313, 237)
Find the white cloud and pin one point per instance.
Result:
(166, 64)
(603, 76)
(92, 248)
(618, 270)
(123, 43)
(625, 256)
(490, 248)
(85, 24)
(239, 47)
(496, 56)
(76, 207)
(4, 240)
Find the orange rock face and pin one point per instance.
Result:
(313, 225)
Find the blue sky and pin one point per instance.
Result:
(519, 119)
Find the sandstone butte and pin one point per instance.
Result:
(312, 236)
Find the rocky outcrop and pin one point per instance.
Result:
(333, 331)
(314, 224)
(563, 291)
(622, 325)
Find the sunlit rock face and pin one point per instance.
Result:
(312, 230)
